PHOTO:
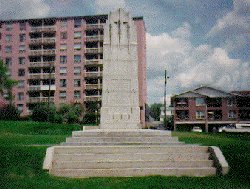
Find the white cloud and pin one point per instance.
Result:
(182, 32)
(234, 25)
(23, 9)
(190, 66)
(105, 6)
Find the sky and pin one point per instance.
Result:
(198, 42)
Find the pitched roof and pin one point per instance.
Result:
(211, 92)
(241, 93)
(204, 92)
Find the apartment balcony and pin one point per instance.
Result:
(93, 62)
(182, 118)
(34, 88)
(41, 75)
(94, 38)
(93, 86)
(93, 74)
(41, 64)
(40, 99)
(42, 87)
(41, 52)
(43, 29)
(94, 26)
(48, 40)
(36, 41)
(93, 98)
(94, 50)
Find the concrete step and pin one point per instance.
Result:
(129, 172)
(155, 139)
(129, 164)
(130, 149)
(119, 143)
(125, 133)
(134, 156)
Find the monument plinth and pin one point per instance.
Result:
(120, 97)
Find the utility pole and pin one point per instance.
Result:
(165, 104)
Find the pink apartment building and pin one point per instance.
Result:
(61, 59)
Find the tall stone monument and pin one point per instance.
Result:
(120, 97)
(120, 148)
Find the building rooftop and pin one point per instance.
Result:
(204, 92)
(103, 16)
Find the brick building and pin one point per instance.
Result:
(61, 59)
(208, 107)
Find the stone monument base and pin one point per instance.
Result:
(126, 153)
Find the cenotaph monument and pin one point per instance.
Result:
(120, 148)
(120, 97)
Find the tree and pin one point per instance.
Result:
(6, 83)
(42, 112)
(71, 113)
(155, 111)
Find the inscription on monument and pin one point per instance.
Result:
(120, 99)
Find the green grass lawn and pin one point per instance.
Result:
(21, 163)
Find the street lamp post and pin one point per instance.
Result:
(165, 104)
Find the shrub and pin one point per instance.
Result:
(58, 118)
(72, 117)
(64, 109)
(9, 112)
(89, 118)
(42, 112)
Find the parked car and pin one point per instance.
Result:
(197, 129)
(227, 127)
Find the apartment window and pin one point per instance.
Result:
(21, 72)
(20, 107)
(8, 62)
(77, 23)
(63, 83)
(63, 35)
(77, 35)
(200, 115)
(22, 26)
(77, 82)
(200, 101)
(20, 84)
(232, 114)
(8, 26)
(77, 46)
(22, 37)
(77, 70)
(20, 96)
(21, 48)
(77, 94)
(21, 60)
(230, 102)
(63, 23)
(77, 58)
(63, 70)
(62, 94)
(63, 47)
(8, 49)
(8, 38)
(63, 59)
